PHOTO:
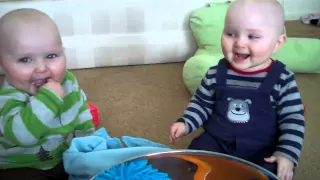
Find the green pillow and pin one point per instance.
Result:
(299, 54)
(196, 67)
(207, 25)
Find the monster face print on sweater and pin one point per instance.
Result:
(238, 110)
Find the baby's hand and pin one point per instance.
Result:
(55, 87)
(285, 167)
(177, 130)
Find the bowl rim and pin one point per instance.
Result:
(200, 152)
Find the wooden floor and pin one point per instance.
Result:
(298, 29)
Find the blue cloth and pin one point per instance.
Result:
(244, 123)
(90, 155)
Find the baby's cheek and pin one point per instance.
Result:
(226, 45)
(58, 69)
(261, 51)
(22, 76)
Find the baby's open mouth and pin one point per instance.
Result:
(240, 57)
(39, 82)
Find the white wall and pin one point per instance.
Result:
(294, 9)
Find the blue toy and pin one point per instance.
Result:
(133, 170)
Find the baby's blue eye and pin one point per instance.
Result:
(52, 56)
(253, 37)
(229, 34)
(24, 60)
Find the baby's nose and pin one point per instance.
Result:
(41, 67)
(240, 43)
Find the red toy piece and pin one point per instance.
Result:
(94, 113)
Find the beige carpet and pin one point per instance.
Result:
(143, 101)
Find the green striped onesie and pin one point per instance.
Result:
(34, 129)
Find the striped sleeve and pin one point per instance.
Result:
(85, 127)
(199, 108)
(24, 123)
(291, 119)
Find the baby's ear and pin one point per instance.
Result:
(281, 40)
(248, 101)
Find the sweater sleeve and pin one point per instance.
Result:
(25, 123)
(85, 126)
(77, 98)
(291, 120)
(199, 108)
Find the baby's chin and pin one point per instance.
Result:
(32, 90)
(25, 87)
(240, 65)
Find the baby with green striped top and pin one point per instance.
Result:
(41, 102)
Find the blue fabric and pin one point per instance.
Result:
(244, 122)
(90, 155)
(134, 170)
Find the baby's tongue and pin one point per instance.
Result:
(39, 82)
(241, 57)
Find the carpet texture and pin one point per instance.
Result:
(144, 101)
